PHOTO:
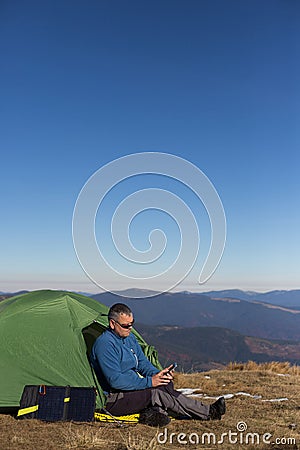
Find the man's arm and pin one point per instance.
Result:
(145, 368)
(109, 361)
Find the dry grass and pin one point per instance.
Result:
(83, 437)
(270, 381)
(273, 366)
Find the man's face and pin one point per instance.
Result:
(116, 325)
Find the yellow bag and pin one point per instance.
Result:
(130, 418)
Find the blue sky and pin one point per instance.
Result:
(214, 82)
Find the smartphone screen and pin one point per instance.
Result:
(172, 367)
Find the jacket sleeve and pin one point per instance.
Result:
(108, 359)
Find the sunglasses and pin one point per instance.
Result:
(126, 326)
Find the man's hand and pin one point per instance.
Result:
(163, 377)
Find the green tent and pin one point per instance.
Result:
(45, 338)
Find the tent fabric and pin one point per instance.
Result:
(45, 338)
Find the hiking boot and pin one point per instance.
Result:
(217, 409)
(154, 418)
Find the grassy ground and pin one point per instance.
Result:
(246, 425)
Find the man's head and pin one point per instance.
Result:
(120, 319)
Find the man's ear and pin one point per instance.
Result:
(111, 324)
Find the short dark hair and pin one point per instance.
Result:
(117, 309)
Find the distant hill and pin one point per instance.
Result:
(138, 293)
(193, 310)
(203, 348)
(285, 298)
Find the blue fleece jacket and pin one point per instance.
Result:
(119, 361)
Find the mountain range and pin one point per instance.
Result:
(203, 348)
(263, 320)
(289, 298)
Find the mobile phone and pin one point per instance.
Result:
(174, 365)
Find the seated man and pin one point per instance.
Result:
(133, 385)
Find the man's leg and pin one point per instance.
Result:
(129, 402)
(167, 398)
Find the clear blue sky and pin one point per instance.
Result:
(215, 82)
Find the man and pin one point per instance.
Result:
(133, 385)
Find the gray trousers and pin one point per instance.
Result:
(165, 398)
